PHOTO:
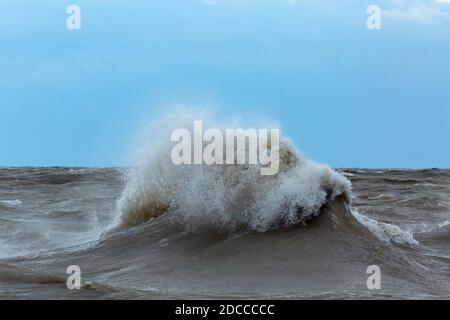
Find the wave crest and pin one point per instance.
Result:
(11, 203)
(384, 231)
(229, 197)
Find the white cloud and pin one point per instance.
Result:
(415, 12)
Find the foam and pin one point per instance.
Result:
(229, 197)
(384, 231)
(11, 203)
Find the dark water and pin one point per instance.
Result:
(51, 218)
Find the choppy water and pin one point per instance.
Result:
(51, 218)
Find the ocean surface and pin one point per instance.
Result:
(51, 218)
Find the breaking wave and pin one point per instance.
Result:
(229, 197)
(233, 197)
(384, 231)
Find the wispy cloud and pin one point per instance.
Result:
(424, 12)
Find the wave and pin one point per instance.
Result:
(433, 227)
(235, 197)
(170, 261)
(385, 231)
(11, 203)
(228, 197)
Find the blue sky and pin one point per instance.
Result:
(347, 96)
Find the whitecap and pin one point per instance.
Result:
(11, 203)
(384, 231)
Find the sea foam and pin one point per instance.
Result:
(11, 203)
(229, 197)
